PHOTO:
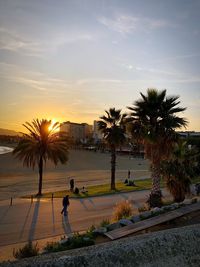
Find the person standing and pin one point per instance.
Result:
(129, 174)
(65, 203)
(71, 182)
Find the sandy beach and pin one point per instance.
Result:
(86, 167)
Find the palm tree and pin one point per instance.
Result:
(153, 123)
(43, 142)
(179, 170)
(112, 127)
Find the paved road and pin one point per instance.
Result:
(86, 167)
(25, 221)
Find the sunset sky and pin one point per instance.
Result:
(71, 60)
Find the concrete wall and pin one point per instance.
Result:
(174, 247)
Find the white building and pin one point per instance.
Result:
(77, 131)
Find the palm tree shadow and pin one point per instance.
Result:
(83, 203)
(34, 220)
(66, 225)
(25, 221)
(92, 203)
(53, 217)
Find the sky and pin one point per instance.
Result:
(73, 59)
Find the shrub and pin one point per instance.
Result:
(130, 183)
(104, 223)
(77, 241)
(142, 209)
(155, 200)
(90, 232)
(122, 210)
(53, 247)
(29, 250)
(76, 191)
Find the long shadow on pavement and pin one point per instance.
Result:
(53, 217)
(25, 221)
(91, 201)
(66, 225)
(34, 220)
(82, 201)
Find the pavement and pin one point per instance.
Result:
(41, 219)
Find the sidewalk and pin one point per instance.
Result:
(41, 219)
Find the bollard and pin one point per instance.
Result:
(52, 196)
(11, 200)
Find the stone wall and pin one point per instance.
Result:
(173, 247)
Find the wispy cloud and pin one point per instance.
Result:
(15, 42)
(33, 79)
(127, 24)
(178, 57)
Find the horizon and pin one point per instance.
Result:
(71, 60)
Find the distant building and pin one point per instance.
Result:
(186, 134)
(77, 131)
(97, 135)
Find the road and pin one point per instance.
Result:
(25, 221)
(86, 167)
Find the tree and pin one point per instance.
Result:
(179, 169)
(43, 142)
(153, 123)
(112, 126)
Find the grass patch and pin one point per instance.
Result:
(99, 190)
(104, 189)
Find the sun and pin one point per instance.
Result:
(53, 121)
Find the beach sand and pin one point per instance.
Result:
(86, 167)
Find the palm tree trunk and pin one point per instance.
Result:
(155, 198)
(40, 166)
(113, 164)
(155, 180)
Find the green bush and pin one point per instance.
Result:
(142, 209)
(53, 247)
(29, 250)
(77, 241)
(104, 223)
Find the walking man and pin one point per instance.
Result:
(65, 203)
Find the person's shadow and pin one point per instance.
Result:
(66, 225)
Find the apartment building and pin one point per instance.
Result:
(77, 131)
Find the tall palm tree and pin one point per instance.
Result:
(112, 127)
(179, 169)
(153, 123)
(43, 142)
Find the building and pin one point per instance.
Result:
(97, 135)
(77, 131)
(186, 134)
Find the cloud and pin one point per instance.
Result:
(178, 57)
(122, 23)
(16, 42)
(32, 79)
(13, 42)
(126, 24)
